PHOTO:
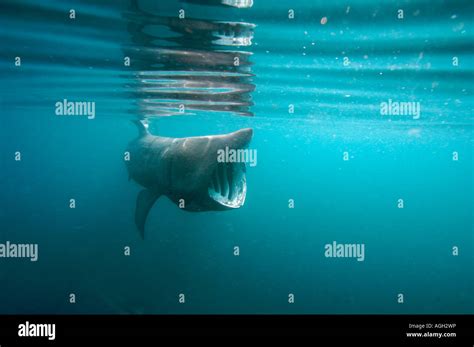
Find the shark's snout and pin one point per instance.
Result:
(244, 137)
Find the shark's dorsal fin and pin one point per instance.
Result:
(142, 127)
(145, 200)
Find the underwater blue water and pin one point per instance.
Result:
(307, 105)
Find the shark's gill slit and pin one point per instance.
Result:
(231, 181)
(224, 180)
(215, 181)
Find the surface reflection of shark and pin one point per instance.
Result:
(187, 65)
(187, 171)
(233, 3)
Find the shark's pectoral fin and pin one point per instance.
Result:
(145, 200)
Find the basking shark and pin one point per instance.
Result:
(186, 170)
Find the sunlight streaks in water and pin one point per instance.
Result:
(215, 59)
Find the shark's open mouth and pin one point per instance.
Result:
(228, 185)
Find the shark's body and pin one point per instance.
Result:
(187, 171)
